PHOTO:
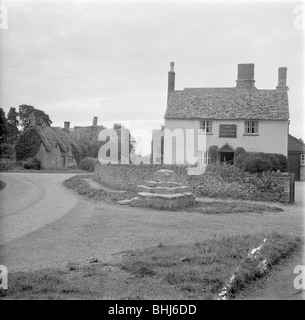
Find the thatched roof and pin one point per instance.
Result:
(227, 103)
(51, 136)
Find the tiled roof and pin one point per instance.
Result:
(295, 145)
(227, 103)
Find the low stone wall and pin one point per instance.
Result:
(218, 181)
(128, 176)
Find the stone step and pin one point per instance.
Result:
(124, 202)
(142, 188)
(164, 175)
(167, 190)
(161, 196)
(151, 183)
(168, 184)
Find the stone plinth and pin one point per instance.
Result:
(163, 193)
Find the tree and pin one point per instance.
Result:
(3, 126)
(25, 113)
(13, 123)
(87, 139)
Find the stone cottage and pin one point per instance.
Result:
(54, 147)
(226, 118)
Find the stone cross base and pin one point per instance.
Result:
(163, 193)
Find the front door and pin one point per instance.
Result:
(227, 157)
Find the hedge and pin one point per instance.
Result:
(258, 162)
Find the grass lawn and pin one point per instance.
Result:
(190, 271)
(79, 185)
(219, 207)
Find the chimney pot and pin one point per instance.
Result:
(245, 76)
(95, 121)
(67, 126)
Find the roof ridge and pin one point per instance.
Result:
(297, 140)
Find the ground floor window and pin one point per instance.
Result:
(204, 157)
(70, 159)
(302, 159)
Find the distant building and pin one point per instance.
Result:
(94, 125)
(54, 147)
(296, 158)
(228, 118)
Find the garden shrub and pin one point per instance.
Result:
(76, 153)
(32, 163)
(283, 163)
(6, 150)
(239, 150)
(5, 166)
(88, 164)
(213, 154)
(257, 162)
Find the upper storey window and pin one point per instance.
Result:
(251, 127)
(206, 126)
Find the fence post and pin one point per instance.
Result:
(291, 188)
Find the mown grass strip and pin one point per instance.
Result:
(201, 270)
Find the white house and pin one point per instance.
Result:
(226, 118)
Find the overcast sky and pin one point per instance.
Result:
(80, 59)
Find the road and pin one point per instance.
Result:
(31, 201)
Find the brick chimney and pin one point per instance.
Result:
(95, 121)
(33, 120)
(171, 80)
(245, 76)
(67, 126)
(281, 87)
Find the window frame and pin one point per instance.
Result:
(251, 127)
(205, 157)
(206, 126)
